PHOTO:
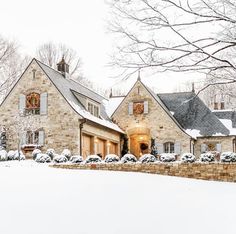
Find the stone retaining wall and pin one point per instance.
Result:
(204, 171)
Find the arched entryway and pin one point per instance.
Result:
(139, 141)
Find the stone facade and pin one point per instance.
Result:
(227, 143)
(156, 124)
(61, 124)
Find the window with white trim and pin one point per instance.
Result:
(169, 147)
(32, 138)
(33, 104)
(93, 109)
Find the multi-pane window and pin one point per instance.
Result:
(169, 147)
(32, 104)
(93, 109)
(32, 138)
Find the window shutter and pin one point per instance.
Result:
(218, 147)
(203, 148)
(41, 138)
(22, 101)
(160, 148)
(177, 148)
(145, 107)
(43, 103)
(23, 138)
(130, 108)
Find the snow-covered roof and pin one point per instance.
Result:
(193, 115)
(66, 87)
(228, 124)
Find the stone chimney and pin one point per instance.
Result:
(63, 67)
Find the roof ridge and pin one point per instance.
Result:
(176, 93)
(47, 66)
(69, 79)
(77, 82)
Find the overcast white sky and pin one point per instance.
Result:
(79, 24)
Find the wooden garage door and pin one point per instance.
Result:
(112, 148)
(86, 145)
(101, 147)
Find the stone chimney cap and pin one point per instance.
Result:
(63, 67)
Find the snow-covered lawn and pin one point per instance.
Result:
(36, 199)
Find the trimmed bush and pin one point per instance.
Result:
(93, 159)
(66, 153)
(147, 158)
(60, 159)
(207, 157)
(3, 155)
(111, 158)
(11, 154)
(128, 158)
(167, 157)
(188, 158)
(76, 159)
(228, 157)
(35, 153)
(43, 158)
(51, 153)
(18, 156)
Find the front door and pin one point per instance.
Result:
(139, 145)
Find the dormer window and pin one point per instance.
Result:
(93, 109)
(33, 104)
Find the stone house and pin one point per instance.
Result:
(68, 114)
(171, 122)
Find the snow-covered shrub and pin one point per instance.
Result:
(60, 159)
(51, 153)
(167, 157)
(3, 155)
(1, 148)
(128, 158)
(147, 158)
(19, 156)
(188, 158)
(76, 159)
(42, 158)
(66, 153)
(11, 154)
(35, 153)
(93, 159)
(228, 157)
(207, 157)
(111, 158)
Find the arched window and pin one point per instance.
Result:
(33, 103)
(169, 147)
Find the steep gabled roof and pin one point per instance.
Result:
(193, 114)
(67, 86)
(156, 98)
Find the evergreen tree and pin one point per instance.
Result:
(125, 148)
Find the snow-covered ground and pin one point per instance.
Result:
(36, 199)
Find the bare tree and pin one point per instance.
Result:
(176, 35)
(21, 125)
(50, 54)
(11, 64)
